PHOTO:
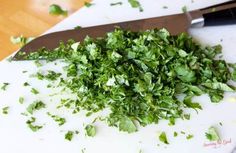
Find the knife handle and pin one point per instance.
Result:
(223, 17)
(220, 14)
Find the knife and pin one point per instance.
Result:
(221, 14)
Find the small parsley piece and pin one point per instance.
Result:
(190, 136)
(36, 105)
(50, 75)
(175, 134)
(212, 134)
(184, 9)
(69, 135)
(21, 100)
(5, 110)
(38, 63)
(9, 59)
(213, 9)
(233, 74)
(26, 84)
(135, 4)
(171, 121)
(88, 4)
(34, 91)
(57, 10)
(117, 3)
(188, 102)
(163, 138)
(90, 130)
(21, 40)
(127, 125)
(187, 116)
(32, 126)
(4, 86)
(57, 119)
(77, 27)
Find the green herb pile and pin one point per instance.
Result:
(139, 76)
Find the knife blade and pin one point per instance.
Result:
(175, 24)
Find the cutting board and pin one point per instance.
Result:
(15, 136)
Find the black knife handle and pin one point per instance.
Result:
(223, 17)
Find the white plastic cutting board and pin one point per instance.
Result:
(15, 137)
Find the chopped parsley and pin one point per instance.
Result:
(184, 9)
(175, 134)
(69, 135)
(126, 124)
(38, 63)
(50, 75)
(57, 119)
(21, 40)
(136, 4)
(163, 138)
(77, 27)
(212, 134)
(36, 105)
(32, 126)
(57, 10)
(26, 84)
(90, 130)
(138, 75)
(117, 3)
(5, 110)
(187, 116)
(34, 91)
(21, 100)
(88, 4)
(4, 86)
(190, 136)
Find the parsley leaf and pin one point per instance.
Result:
(175, 134)
(34, 91)
(90, 130)
(57, 119)
(212, 134)
(136, 4)
(49, 75)
(4, 86)
(21, 40)
(5, 110)
(190, 136)
(21, 100)
(163, 138)
(88, 4)
(32, 126)
(57, 10)
(184, 9)
(69, 135)
(36, 105)
(188, 102)
(127, 125)
(26, 84)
